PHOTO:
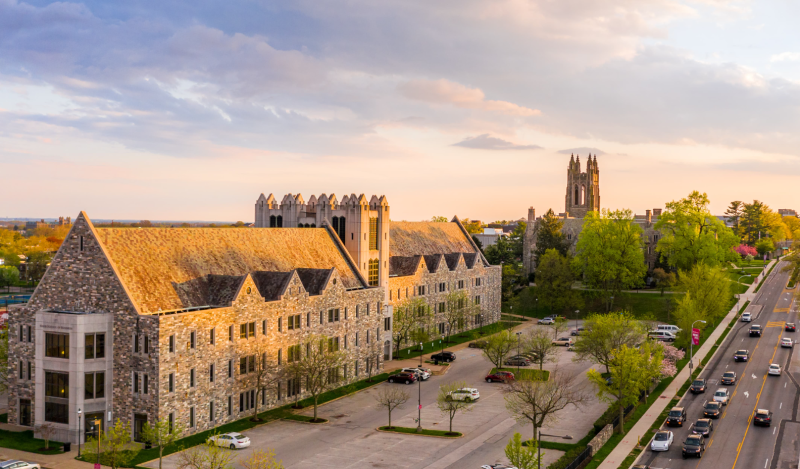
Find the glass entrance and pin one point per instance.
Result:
(25, 412)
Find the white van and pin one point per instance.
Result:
(666, 336)
(668, 328)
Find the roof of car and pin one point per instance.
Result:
(722, 389)
(694, 437)
(762, 411)
(774, 365)
(677, 408)
(729, 373)
(742, 351)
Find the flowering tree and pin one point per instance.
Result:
(668, 368)
(745, 250)
(671, 356)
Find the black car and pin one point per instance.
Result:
(729, 377)
(790, 327)
(676, 416)
(578, 331)
(403, 377)
(755, 330)
(741, 356)
(698, 386)
(712, 410)
(695, 445)
(762, 417)
(443, 356)
(703, 427)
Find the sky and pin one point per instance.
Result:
(188, 110)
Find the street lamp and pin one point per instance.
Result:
(691, 346)
(97, 427)
(79, 432)
(518, 357)
(442, 343)
(537, 306)
(419, 395)
(539, 447)
(577, 313)
(421, 349)
(739, 296)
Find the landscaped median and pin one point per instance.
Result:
(523, 373)
(424, 432)
(304, 419)
(466, 336)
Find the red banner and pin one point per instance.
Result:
(695, 336)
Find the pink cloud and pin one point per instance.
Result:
(447, 92)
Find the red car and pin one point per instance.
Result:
(790, 327)
(502, 376)
(403, 377)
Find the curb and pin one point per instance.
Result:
(421, 434)
(326, 421)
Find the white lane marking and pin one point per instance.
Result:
(784, 385)
(773, 430)
(746, 394)
(753, 375)
(765, 463)
(726, 367)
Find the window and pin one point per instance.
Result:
(193, 339)
(56, 412)
(242, 365)
(28, 328)
(355, 367)
(356, 339)
(56, 384)
(21, 333)
(321, 317)
(21, 369)
(191, 417)
(441, 327)
(146, 344)
(367, 337)
(373, 234)
(95, 346)
(171, 382)
(293, 322)
(280, 324)
(251, 329)
(230, 368)
(251, 364)
(333, 344)
(30, 375)
(135, 343)
(333, 375)
(243, 331)
(264, 327)
(172, 343)
(211, 335)
(441, 307)
(293, 353)
(135, 382)
(280, 356)
(477, 299)
(230, 405)
(171, 422)
(145, 384)
(357, 308)
(211, 411)
(211, 373)
(292, 387)
(478, 282)
(333, 315)
(191, 378)
(387, 324)
(373, 272)
(367, 309)
(421, 290)
(230, 333)
(442, 287)
(460, 284)
(139, 420)
(94, 385)
(308, 319)
(56, 345)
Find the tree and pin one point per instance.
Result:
(408, 317)
(764, 246)
(390, 398)
(501, 252)
(37, 265)
(458, 310)
(610, 252)
(523, 457)
(46, 432)
(707, 298)
(9, 276)
(267, 374)
(498, 346)
(439, 219)
(559, 324)
(537, 402)
(260, 459)
(516, 239)
(473, 227)
(605, 333)
(664, 279)
(744, 250)
(630, 374)
(550, 236)
(449, 406)
(206, 456)
(690, 234)
(734, 213)
(478, 243)
(538, 342)
(116, 448)
(511, 278)
(554, 279)
(321, 366)
(161, 435)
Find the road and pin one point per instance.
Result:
(735, 442)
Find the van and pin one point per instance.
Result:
(666, 336)
(668, 328)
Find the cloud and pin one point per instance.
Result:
(485, 142)
(446, 92)
(785, 57)
(579, 150)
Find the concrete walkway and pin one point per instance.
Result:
(624, 448)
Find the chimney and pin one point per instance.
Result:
(566, 215)
(649, 216)
(657, 212)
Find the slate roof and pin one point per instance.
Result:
(427, 238)
(403, 266)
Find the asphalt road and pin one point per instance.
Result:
(735, 441)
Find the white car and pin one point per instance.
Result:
(464, 394)
(421, 373)
(546, 321)
(722, 395)
(231, 440)
(17, 464)
(662, 441)
(747, 317)
(498, 466)
(774, 369)
(786, 342)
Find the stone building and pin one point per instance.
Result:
(157, 323)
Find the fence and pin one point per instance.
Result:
(580, 459)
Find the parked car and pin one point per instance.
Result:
(747, 317)
(669, 328)
(729, 377)
(722, 396)
(498, 466)
(774, 369)
(403, 377)
(762, 417)
(664, 336)
(464, 394)
(546, 321)
(517, 361)
(755, 330)
(787, 342)
(712, 410)
(741, 356)
(695, 445)
(578, 331)
(662, 441)
(231, 440)
(480, 343)
(703, 427)
(698, 386)
(420, 373)
(532, 356)
(564, 341)
(500, 376)
(789, 327)
(17, 464)
(676, 416)
(444, 356)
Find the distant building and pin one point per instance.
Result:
(490, 236)
(787, 212)
(32, 225)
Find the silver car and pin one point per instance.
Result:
(17, 464)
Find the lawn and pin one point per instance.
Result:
(525, 373)
(467, 336)
(413, 431)
(24, 441)
(736, 276)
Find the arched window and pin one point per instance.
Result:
(314, 225)
(279, 220)
(576, 197)
(341, 231)
(583, 195)
(336, 224)
(272, 221)
(299, 225)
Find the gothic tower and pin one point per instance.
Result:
(583, 189)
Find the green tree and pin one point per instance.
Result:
(690, 234)
(523, 457)
(734, 213)
(472, 226)
(161, 435)
(116, 448)
(554, 280)
(408, 317)
(439, 219)
(501, 252)
(765, 246)
(516, 239)
(449, 406)
(538, 342)
(261, 459)
(605, 333)
(610, 253)
(550, 236)
(510, 280)
(37, 265)
(498, 346)
(9, 276)
(206, 456)
(708, 298)
(758, 221)
(664, 279)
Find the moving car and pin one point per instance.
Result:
(563, 341)
(546, 321)
(403, 377)
(729, 377)
(444, 356)
(747, 317)
(712, 410)
(787, 343)
(741, 356)
(480, 343)
(755, 330)
(676, 416)
(789, 327)
(703, 427)
(577, 331)
(695, 445)
(722, 396)
(500, 376)
(517, 361)
(774, 369)
(231, 440)
(17, 464)
(762, 417)
(662, 441)
(464, 394)
(698, 386)
(421, 373)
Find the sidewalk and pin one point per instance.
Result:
(624, 448)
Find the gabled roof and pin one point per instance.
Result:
(427, 238)
(403, 266)
(314, 280)
(271, 285)
(432, 261)
(452, 260)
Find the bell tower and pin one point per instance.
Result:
(583, 188)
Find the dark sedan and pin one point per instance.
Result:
(755, 330)
(729, 377)
(695, 445)
(712, 410)
(790, 327)
(698, 386)
(762, 417)
(403, 377)
(741, 356)
(703, 427)
(443, 356)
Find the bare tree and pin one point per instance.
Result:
(268, 374)
(206, 456)
(46, 431)
(161, 435)
(450, 406)
(498, 346)
(390, 398)
(559, 325)
(321, 366)
(260, 459)
(458, 310)
(537, 341)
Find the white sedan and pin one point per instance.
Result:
(662, 441)
(787, 343)
(17, 464)
(774, 369)
(497, 466)
(231, 440)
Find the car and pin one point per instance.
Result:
(17, 464)
(231, 440)
(703, 427)
(480, 343)
(698, 386)
(741, 356)
(747, 317)
(532, 356)
(517, 361)
(464, 394)
(563, 341)
(729, 377)
(787, 342)
(500, 376)
(712, 410)
(694, 445)
(443, 356)
(665, 336)
(676, 416)
(789, 327)
(762, 417)
(403, 377)
(498, 466)
(774, 369)
(547, 321)
(421, 373)
(669, 328)
(662, 441)
(578, 331)
(755, 330)
(722, 396)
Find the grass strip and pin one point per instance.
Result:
(765, 277)
(304, 418)
(467, 336)
(413, 431)
(523, 373)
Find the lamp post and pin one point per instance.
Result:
(419, 395)
(518, 357)
(691, 346)
(443, 344)
(577, 313)
(739, 296)
(537, 306)
(421, 349)
(79, 432)
(539, 447)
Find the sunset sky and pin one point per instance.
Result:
(188, 110)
